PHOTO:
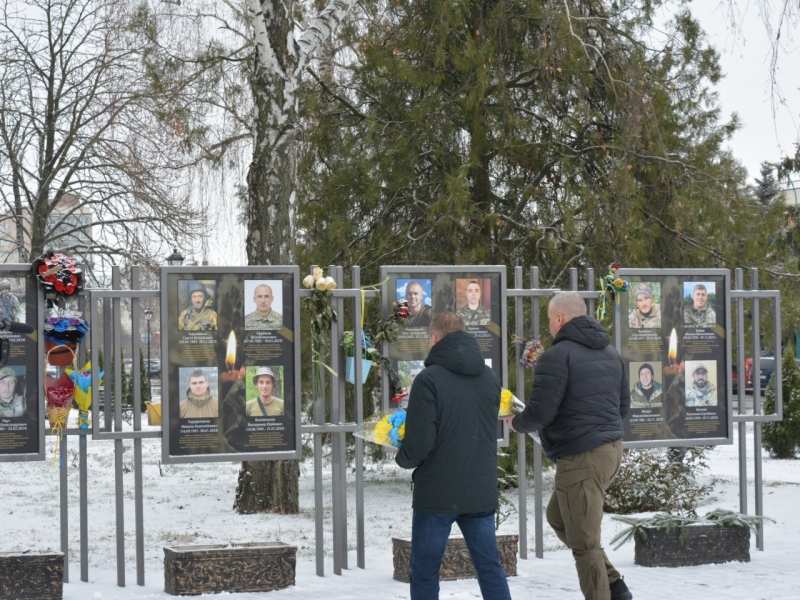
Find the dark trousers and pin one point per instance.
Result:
(575, 512)
(429, 533)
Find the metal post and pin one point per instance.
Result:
(740, 349)
(522, 509)
(757, 458)
(359, 400)
(319, 419)
(340, 381)
(108, 395)
(116, 397)
(138, 487)
(590, 288)
(336, 509)
(83, 471)
(538, 510)
(63, 485)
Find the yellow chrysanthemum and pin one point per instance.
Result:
(382, 429)
(505, 402)
(402, 431)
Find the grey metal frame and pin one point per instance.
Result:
(24, 270)
(167, 320)
(387, 270)
(726, 274)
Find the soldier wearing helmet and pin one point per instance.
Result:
(265, 404)
(199, 316)
(9, 304)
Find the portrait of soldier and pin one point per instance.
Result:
(699, 314)
(199, 402)
(474, 313)
(265, 404)
(263, 317)
(199, 316)
(419, 312)
(646, 314)
(646, 392)
(9, 304)
(702, 392)
(12, 404)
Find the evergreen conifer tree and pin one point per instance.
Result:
(782, 438)
(766, 187)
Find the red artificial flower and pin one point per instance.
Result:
(59, 286)
(42, 268)
(69, 289)
(403, 313)
(50, 278)
(73, 280)
(614, 266)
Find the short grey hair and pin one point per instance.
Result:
(570, 304)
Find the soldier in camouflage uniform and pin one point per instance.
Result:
(265, 404)
(9, 304)
(474, 313)
(646, 315)
(699, 314)
(11, 403)
(646, 393)
(263, 317)
(702, 392)
(199, 316)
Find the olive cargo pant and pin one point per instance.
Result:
(575, 512)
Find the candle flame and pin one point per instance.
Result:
(230, 357)
(673, 346)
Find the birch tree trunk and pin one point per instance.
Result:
(271, 188)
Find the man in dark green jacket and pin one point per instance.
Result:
(451, 442)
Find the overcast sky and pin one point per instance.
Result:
(769, 131)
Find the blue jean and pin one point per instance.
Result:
(429, 533)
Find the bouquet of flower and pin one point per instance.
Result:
(509, 404)
(531, 352)
(368, 351)
(611, 287)
(389, 430)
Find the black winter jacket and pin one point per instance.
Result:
(580, 392)
(451, 430)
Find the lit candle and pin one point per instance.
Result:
(230, 361)
(674, 366)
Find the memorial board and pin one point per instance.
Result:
(673, 333)
(230, 372)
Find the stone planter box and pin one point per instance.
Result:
(194, 570)
(456, 563)
(702, 544)
(31, 576)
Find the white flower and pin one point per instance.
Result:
(329, 283)
(320, 284)
(309, 281)
(318, 274)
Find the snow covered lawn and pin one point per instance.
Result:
(191, 504)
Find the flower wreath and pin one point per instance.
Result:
(58, 273)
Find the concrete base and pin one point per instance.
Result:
(31, 576)
(194, 570)
(456, 563)
(702, 544)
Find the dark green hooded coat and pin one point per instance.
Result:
(451, 430)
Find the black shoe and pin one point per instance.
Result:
(620, 591)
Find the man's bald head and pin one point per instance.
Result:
(564, 307)
(262, 296)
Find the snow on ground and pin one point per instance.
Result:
(191, 504)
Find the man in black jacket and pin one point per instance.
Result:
(580, 396)
(451, 443)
